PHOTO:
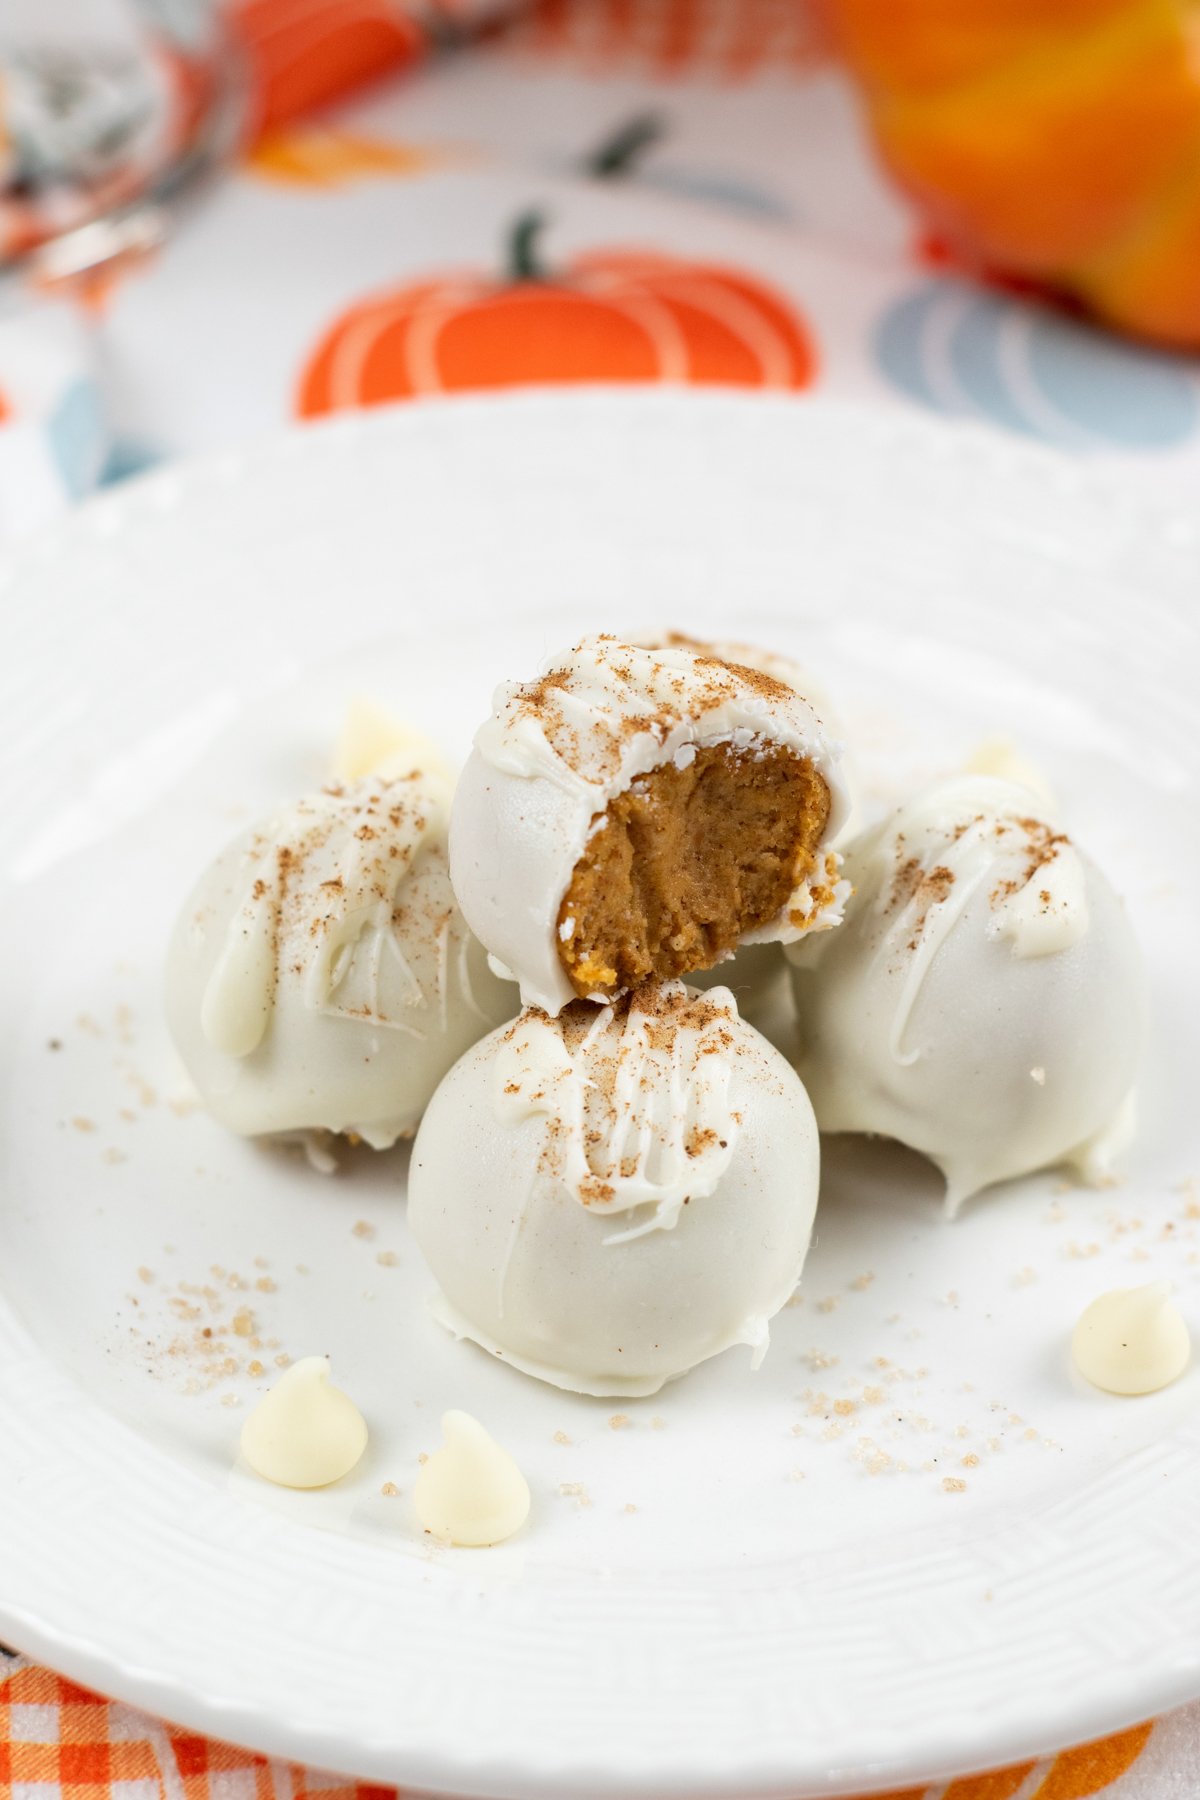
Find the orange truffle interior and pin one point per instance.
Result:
(686, 862)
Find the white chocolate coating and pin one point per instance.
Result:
(470, 1492)
(1132, 1340)
(752, 656)
(305, 1433)
(321, 974)
(554, 754)
(984, 1001)
(609, 1197)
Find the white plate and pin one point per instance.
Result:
(798, 1602)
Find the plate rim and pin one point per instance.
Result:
(80, 1657)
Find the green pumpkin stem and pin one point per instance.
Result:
(524, 263)
(622, 150)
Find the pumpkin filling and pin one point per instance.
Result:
(688, 860)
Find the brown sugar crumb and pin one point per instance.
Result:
(1042, 847)
(243, 1322)
(952, 1485)
(686, 861)
(619, 1421)
(917, 890)
(255, 1368)
(363, 1229)
(265, 1285)
(600, 1043)
(193, 1329)
(78, 1123)
(389, 1490)
(387, 1259)
(906, 878)
(594, 1192)
(699, 1140)
(560, 1437)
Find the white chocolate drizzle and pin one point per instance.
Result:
(236, 1007)
(938, 851)
(323, 884)
(607, 710)
(636, 1098)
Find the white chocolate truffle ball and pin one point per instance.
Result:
(611, 1196)
(560, 750)
(984, 1000)
(321, 974)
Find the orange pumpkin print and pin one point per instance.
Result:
(619, 316)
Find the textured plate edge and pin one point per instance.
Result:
(466, 1778)
(81, 1658)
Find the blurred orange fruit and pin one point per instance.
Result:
(1055, 140)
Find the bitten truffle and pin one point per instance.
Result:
(635, 814)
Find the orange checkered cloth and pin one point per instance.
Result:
(62, 1742)
(59, 1741)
